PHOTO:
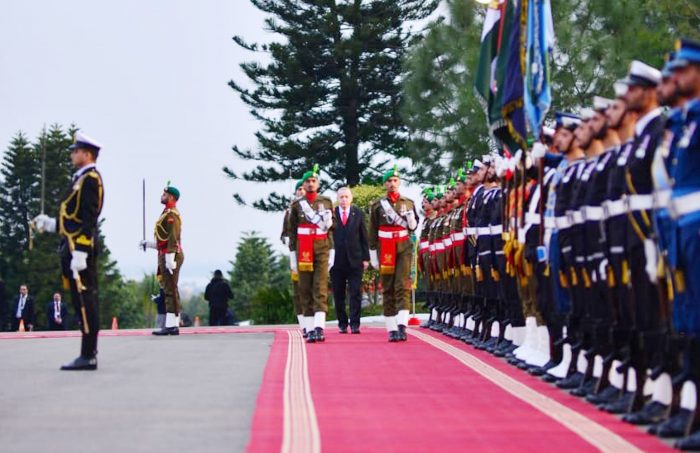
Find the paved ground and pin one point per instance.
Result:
(176, 394)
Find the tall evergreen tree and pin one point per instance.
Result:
(331, 92)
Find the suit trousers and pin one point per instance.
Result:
(90, 324)
(347, 279)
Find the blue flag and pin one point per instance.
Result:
(513, 83)
(540, 41)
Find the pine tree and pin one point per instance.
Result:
(20, 180)
(331, 93)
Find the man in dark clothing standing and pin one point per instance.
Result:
(218, 293)
(351, 259)
(23, 310)
(56, 313)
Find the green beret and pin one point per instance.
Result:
(429, 195)
(313, 173)
(451, 184)
(439, 192)
(461, 176)
(390, 174)
(172, 190)
(298, 184)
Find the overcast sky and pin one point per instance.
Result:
(148, 79)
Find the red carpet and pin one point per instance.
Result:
(370, 395)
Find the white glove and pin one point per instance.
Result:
(538, 151)
(411, 220)
(170, 263)
(373, 259)
(331, 259)
(293, 266)
(44, 223)
(284, 240)
(143, 245)
(327, 216)
(652, 256)
(518, 156)
(78, 261)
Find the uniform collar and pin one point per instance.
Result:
(81, 171)
(646, 119)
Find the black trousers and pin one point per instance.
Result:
(217, 315)
(347, 279)
(90, 325)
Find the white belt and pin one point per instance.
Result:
(496, 229)
(576, 217)
(439, 246)
(685, 204)
(550, 222)
(662, 199)
(311, 231)
(392, 234)
(500, 252)
(432, 247)
(458, 237)
(465, 231)
(424, 245)
(522, 235)
(532, 218)
(580, 259)
(593, 213)
(488, 252)
(562, 222)
(483, 231)
(617, 249)
(471, 231)
(566, 249)
(640, 202)
(614, 208)
(447, 242)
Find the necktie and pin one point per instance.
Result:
(344, 217)
(56, 310)
(20, 306)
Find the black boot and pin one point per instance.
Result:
(81, 364)
(167, 331)
(674, 426)
(320, 338)
(691, 442)
(402, 333)
(311, 337)
(393, 336)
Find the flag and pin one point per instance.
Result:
(485, 82)
(540, 41)
(511, 67)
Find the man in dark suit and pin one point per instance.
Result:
(351, 260)
(56, 313)
(23, 310)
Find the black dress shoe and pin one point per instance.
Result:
(571, 382)
(585, 388)
(167, 331)
(674, 426)
(621, 405)
(427, 324)
(393, 336)
(354, 330)
(653, 412)
(402, 333)
(311, 337)
(546, 377)
(80, 364)
(305, 334)
(691, 442)
(343, 329)
(320, 338)
(606, 396)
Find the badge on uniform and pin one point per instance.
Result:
(642, 150)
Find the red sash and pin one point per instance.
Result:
(307, 233)
(389, 236)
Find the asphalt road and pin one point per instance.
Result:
(173, 394)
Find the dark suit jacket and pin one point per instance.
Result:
(351, 247)
(27, 312)
(50, 316)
